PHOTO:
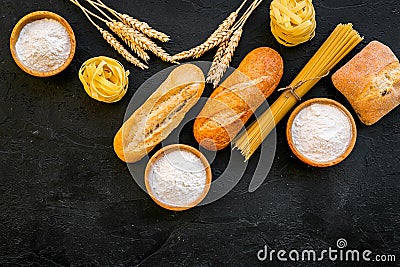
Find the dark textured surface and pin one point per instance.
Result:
(65, 198)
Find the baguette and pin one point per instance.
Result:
(371, 82)
(235, 100)
(162, 112)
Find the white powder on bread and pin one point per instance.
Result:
(321, 132)
(178, 178)
(43, 45)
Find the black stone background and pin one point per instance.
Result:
(66, 199)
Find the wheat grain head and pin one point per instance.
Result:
(227, 57)
(144, 28)
(121, 49)
(214, 40)
(123, 32)
(218, 56)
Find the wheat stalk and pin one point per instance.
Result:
(123, 32)
(224, 61)
(221, 34)
(134, 38)
(218, 56)
(145, 43)
(121, 49)
(143, 27)
(225, 52)
(110, 39)
(137, 40)
(214, 40)
(140, 41)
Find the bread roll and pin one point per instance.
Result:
(371, 82)
(235, 100)
(162, 112)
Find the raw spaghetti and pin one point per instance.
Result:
(341, 41)
(292, 21)
(104, 79)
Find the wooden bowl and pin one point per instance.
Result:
(161, 153)
(37, 16)
(325, 101)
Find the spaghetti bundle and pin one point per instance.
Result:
(104, 79)
(341, 41)
(292, 21)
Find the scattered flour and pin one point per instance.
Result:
(321, 132)
(43, 45)
(178, 178)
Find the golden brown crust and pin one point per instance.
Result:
(235, 100)
(370, 82)
(118, 148)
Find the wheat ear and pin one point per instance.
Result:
(121, 49)
(145, 43)
(223, 64)
(214, 40)
(143, 27)
(138, 40)
(226, 51)
(110, 39)
(132, 35)
(123, 32)
(218, 56)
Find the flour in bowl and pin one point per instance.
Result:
(321, 132)
(43, 45)
(178, 178)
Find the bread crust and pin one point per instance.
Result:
(235, 100)
(160, 114)
(371, 82)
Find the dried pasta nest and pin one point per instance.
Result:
(104, 79)
(292, 21)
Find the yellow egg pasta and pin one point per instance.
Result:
(104, 79)
(292, 21)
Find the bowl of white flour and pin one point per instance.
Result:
(42, 43)
(178, 177)
(321, 132)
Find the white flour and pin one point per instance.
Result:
(321, 132)
(43, 45)
(178, 178)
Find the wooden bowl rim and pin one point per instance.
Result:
(328, 102)
(36, 16)
(164, 151)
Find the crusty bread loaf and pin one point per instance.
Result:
(235, 100)
(371, 82)
(162, 112)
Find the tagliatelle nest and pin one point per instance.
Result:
(104, 79)
(292, 21)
